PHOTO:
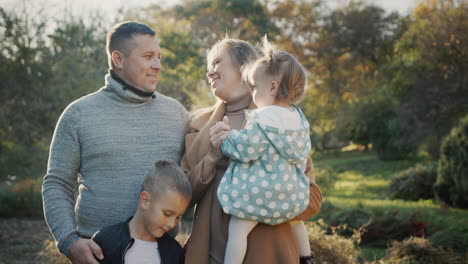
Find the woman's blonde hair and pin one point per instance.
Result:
(284, 67)
(241, 51)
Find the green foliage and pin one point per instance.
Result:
(450, 238)
(388, 136)
(362, 183)
(210, 20)
(40, 75)
(351, 45)
(354, 124)
(375, 230)
(377, 124)
(452, 175)
(393, 226)
(418, 251)
(325, 178)
(414, 183)
(21, 199)
(427, 74)
(352, 218)
(24, 116)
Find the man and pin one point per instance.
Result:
(107, 141)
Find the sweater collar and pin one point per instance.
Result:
(125, 91)
(239, 103)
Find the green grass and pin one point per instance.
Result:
(371, 253)
(362, 181)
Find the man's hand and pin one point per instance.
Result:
(85, 251)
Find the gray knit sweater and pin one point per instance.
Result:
(107, 142)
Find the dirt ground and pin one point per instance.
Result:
(24, 241)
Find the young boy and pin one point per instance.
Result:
(164, 197)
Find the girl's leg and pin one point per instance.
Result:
(239, 229)
(302, 237)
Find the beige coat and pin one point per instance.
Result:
(207, 243)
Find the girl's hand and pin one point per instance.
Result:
(219, 132)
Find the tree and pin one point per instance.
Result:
(428, 75)
(351, 47)
(40, 75)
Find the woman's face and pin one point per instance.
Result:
(225, 78)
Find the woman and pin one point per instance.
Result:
(205, 167)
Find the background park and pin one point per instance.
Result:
(387, 101)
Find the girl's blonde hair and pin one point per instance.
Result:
(284, 67)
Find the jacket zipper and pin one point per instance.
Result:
(125, 252)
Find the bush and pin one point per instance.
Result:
(325, 178)
(21, 199)
(389, 138)
(326, 210)
(389, 227)
(350, 219)
(377, 124)
(414, 183)
(353, 124)
(418, 251)
(329, 247)
(452, 176)
(452, 239)
(374, 230)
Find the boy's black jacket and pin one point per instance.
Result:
(115, 240)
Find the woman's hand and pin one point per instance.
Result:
(218, 133)
(309, 171)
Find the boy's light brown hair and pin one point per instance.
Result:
(167, 176)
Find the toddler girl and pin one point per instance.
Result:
(265, 181)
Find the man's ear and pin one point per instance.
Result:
(117, 59)
(145, 199)
(274, 88)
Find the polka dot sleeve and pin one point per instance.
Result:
(245, 145)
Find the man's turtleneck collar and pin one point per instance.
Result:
(239, 103)
(127, 86)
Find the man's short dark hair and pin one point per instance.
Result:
(120, 34)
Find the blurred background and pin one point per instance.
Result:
(387, 101)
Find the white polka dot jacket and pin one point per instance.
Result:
(265, 180)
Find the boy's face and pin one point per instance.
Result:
(163, 214)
